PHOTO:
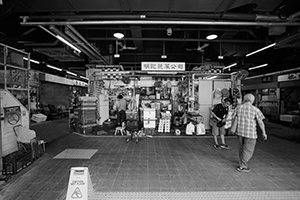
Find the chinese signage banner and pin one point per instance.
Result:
(289, 77)
(163, 66)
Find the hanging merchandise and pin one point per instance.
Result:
(225, 93)
(217, 93)
(158, 84)
(169, 84)
(126, 79)
(190, 129)
(236, 93)
(132, 104)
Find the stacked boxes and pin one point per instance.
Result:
(85, 116)
(164, 122)
(149, 120)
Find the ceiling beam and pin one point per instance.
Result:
(177, 39)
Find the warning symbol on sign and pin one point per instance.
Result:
(77, 194)
(80, 184)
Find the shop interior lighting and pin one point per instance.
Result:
(164, 56)
(220, 57)
(31, 60)
(229, 66)
(52, 67)
(71, 73)
(118, 35)
(164, 72)
(61, 39)
(83, 77)
(212, 77)
(259, 50)
(211, 36)
(67, 43)
(117, 55)
(259, 66)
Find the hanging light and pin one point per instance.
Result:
(116, 54)
(211, 36)
(259, 50)
(118, 35)
(163, 56)
(220, 57)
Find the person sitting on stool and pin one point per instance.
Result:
(121, 106)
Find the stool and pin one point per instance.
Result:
(119, 129)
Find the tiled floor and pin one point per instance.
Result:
(163, 168)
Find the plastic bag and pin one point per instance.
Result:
(190, 129)
(200, 129)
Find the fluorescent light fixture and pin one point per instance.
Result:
(31, 60)
(229, 66)
(117, 55)
(67, 43)
(84, 77)
(159, 72)
(163, 56)
(220, 57)
(52, 67)
(266, 47)
(118, 35)
(71, 73)
(212, 36)
(212, 77)
(259, 66)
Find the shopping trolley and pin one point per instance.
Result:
(133, 130)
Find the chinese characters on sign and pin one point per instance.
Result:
(163, 66)
(267, 79)
(289, 77)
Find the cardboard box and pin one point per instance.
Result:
(38, 118)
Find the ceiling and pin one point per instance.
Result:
(243, 26)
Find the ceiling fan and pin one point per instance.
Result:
(124, 47)
(199, 48)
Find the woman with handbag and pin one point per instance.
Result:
(219, 115)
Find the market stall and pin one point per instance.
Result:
(164, 96)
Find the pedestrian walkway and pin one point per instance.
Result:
(162, 168)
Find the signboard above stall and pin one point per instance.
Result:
(163, 66)
(289, 77)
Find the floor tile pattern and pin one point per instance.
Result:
(161, 166)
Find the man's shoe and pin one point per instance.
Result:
(225, 146)
(241, 169)
(217, 146)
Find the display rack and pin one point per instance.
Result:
(15, 73)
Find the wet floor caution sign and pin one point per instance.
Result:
(80, 184)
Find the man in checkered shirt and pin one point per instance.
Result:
(247, 116)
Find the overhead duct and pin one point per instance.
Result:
(81, 43)
(87, 44)
(54, 29)
(159, 22)
(149, 16)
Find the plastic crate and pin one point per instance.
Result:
(15, 162)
